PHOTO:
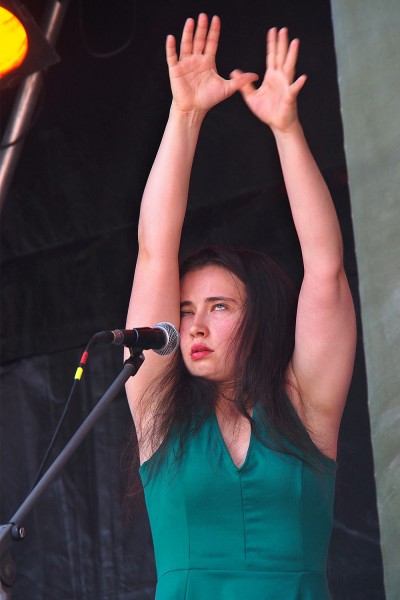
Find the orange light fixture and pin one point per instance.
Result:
(13, 42)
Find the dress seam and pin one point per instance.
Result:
(244, 520)
(226, 452)
(187, 582)
(309, 571)
(301, 517)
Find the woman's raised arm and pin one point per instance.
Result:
(322, 362)
(196, 87)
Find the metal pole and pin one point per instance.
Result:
(25, 103)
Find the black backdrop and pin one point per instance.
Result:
(68, 236)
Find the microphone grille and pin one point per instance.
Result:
(172, 337)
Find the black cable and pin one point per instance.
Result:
(110, 53)
(77, 378)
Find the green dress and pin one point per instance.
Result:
(256, 532)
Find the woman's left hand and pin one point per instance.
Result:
(274, 102)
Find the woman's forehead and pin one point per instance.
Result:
(211, 280)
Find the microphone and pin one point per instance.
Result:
(163, 338)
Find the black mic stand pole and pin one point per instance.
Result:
(13, 530)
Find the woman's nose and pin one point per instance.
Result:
(198, 327)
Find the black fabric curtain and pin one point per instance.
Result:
(82, 540)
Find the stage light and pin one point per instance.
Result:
(14, 41)
(36, 53)
(29, 74)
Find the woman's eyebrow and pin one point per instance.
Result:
(220, 298)
(186, 303)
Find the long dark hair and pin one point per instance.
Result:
(264, 345)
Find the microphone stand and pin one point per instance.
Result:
(14, 530)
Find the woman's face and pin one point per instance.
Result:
(212, 301)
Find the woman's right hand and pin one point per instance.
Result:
(195, 83)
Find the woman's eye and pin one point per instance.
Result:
(185, 313)
(219, 307)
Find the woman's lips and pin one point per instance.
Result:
(198, 351)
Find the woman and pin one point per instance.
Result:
(238, 432)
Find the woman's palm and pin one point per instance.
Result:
(274, 102)
(196, 84)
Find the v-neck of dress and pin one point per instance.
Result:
(225, 447)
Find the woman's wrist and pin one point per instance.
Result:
(293, 129)
(191, 117)
(293, 134)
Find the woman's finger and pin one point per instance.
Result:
(243, 82)
(298, 84)
(187, 38)
(170, 51)
(200, 35)
(271, 48)
(281, 48)
(291, 59)
(213, 37)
